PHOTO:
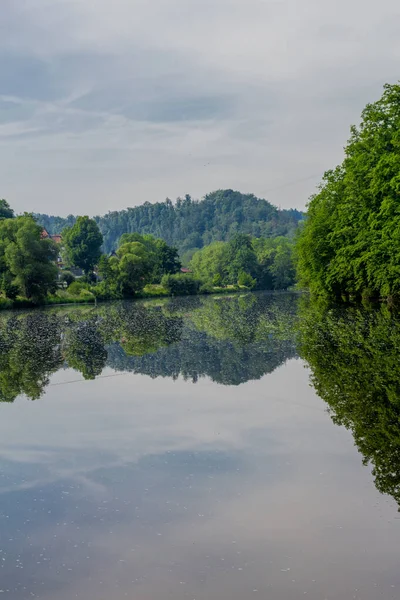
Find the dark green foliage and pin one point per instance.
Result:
(26, 260)
(6, 212)
(181, 284)
(126, 273)
(266, 263)
(276, 268)
(83, 243)
(164, 258)
(355, 362)
(67, 277)
(191, 224)
(350, 243)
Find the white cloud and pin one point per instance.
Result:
(117, 104)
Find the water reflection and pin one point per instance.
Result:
(231, 340)
(354, 355)
(132, 482)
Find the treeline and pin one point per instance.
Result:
(349, 247)
(190, 224)
(33, 267)
(261, 263)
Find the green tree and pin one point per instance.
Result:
(27, 262)
(350, 243)
(6, 212)
(241, 257)
(276, 267)
(164, 257)
(126, 273)
(83, 243)
(211, 261)
(246, 280)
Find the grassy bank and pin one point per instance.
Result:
(87, 297)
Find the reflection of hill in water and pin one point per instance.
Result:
(198, 355)
(231, 340)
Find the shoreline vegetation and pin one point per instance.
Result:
(71, 267)
(152, 292)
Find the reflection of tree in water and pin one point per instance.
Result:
(83, 349)
(354, 357)
(198, 355)
(139, 329)
(29, 353)
(231, 340)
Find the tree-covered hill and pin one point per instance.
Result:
(191, 224)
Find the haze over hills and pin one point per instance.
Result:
(191, 224)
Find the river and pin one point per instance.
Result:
(200, 448)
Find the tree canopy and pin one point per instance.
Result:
(82, 243)
(27, 262)
(350, 243)
(190, 224)
(6, 212)
(265, 263)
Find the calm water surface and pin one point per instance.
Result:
(200, 449)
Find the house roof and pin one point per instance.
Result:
(56, 238)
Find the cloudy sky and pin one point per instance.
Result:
(106, 104)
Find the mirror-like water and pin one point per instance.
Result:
(200, 448)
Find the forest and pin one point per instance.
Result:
(190, 224)
(72, 266)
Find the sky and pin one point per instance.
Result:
(105, 105)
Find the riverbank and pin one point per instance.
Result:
(86, 297)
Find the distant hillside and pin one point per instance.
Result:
(188, 223)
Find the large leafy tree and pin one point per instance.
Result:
(83, 243)
(27, 262)
(6, 212)
(241, 257)
(350, 244)
(128, 271)
(211, 262)
(165, 258)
